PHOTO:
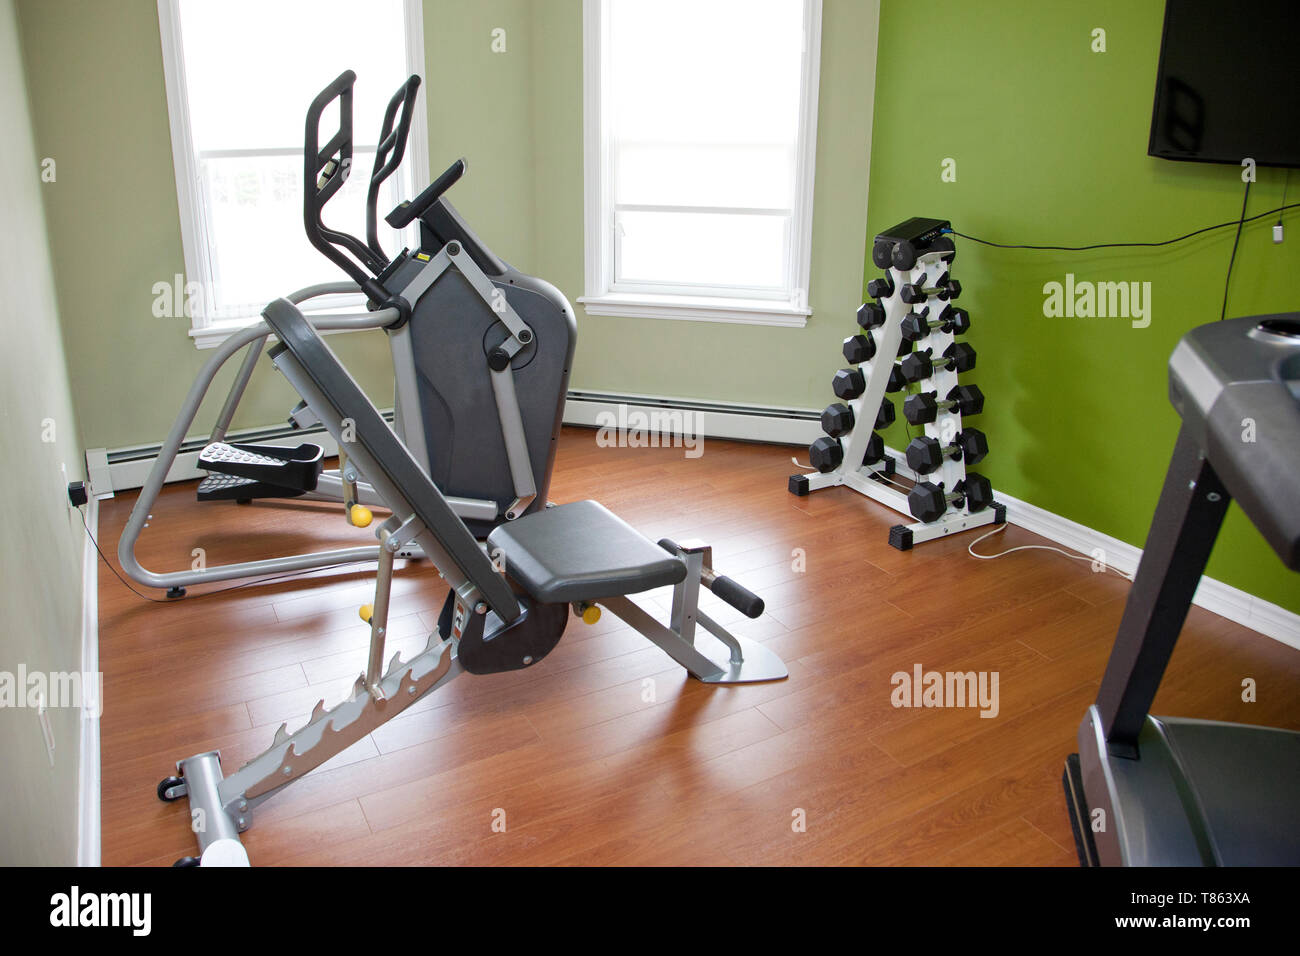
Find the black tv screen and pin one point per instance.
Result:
(1228, 86)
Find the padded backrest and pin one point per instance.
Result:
(327, 373)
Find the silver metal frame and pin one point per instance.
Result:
(332, 485)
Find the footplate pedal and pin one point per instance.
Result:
(243, 472)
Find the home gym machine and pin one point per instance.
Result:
(912, 319)
(481, 359)
(1172, 791)
(576, 554)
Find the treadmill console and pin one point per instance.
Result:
(1237, 386)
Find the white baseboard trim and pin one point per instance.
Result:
(88, 778)
(1223, 599)
(779, 426)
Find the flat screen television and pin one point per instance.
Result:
(1228, 85)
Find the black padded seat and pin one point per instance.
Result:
(582, 552)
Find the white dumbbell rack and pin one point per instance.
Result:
(878, 481)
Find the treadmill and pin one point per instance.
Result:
(1171, 791)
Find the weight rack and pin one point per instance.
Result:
(915, 253)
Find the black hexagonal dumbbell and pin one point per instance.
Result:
(837, 419)
(925, 454)
(885, 417)
(848, 383)
(871, 315)
(944, 289)
(825, 454)
(928, 501)
(896, 381)
(882, 253)
(875, 450)
(957, 357)
(946, 245)
(881, 288)
(859, 348)
(925, 406)
(902, 255)
(917, 325)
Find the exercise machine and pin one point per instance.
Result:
(1174, 791)
(481, 359)
(578, 555)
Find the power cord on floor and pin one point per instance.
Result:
(234, 587)
(1035, 547)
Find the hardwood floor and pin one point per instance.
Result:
(583, 767)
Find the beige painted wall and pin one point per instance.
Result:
(98, 96)
(41, 537)
(99, 99)
(739, 363)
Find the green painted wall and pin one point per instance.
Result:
(41, 538)
(1050, 141)
(99, 102)
(739, 363)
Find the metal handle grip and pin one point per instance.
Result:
(737, 595)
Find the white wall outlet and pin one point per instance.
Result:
(1277, 233)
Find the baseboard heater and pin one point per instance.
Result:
(768, 424)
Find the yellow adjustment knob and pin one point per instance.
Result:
(360, 516)
(590, 614)
(366, 611)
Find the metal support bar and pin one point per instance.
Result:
(1192, 506)
(512, 430)
(686, 594)
(738, 660)
(171, 448)
(237, 389)
(202, 776)
(329, 487)
(379, 616)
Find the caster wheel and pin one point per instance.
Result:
(188, 861)
(176, 592)
(171, 789)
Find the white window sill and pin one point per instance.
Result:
(743, 311)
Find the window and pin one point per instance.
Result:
(700, 130)
(240, 76)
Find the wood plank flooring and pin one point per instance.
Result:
(584, 762)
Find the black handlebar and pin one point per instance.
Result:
(408, 212)
(325, 169)
(388, 155)
(738, 596)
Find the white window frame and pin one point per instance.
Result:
(205, 331)
(689, 303)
